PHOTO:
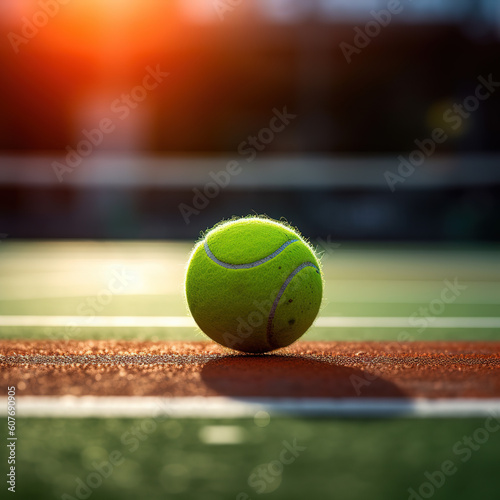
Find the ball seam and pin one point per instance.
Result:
(226, 265)
(269, 329)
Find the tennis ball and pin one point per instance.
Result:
(253, 284)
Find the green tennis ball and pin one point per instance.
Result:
(253, 284)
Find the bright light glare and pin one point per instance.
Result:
(95, 26)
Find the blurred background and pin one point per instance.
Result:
(152, 119)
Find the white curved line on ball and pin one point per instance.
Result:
(282, 291)
(250, 264)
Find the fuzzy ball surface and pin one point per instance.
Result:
(253, 284)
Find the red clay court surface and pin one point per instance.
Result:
(304, 370)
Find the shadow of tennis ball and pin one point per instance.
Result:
(292, 376)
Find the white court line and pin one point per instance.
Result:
(99, 321)
(404, 322)
(187, 322)
(224, 407)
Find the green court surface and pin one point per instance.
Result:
(88, 279)
(344, 459)
(218, 459)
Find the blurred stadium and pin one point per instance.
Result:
(359, 104)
